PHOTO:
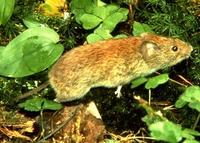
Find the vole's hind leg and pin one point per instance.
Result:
(118, 91)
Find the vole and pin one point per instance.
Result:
(113, 62)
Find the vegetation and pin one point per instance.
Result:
(34, 34)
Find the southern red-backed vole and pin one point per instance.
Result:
(113, 62)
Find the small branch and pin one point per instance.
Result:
(196, 122)
(149, 102)
(60, 127)
(33, 91)
(181, 77)
(177, 81)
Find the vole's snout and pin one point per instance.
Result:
(191, 48)
(189, 51)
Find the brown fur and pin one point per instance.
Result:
(112, 63)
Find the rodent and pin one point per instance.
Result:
(113, 62)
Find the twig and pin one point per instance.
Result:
(149, 102)
(177, 81)
(196, 122)
(59, 127)
(130, 137)
(33, 91)
(181, 77)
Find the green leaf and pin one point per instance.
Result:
(37, 104)
(99, 35)
(151, 118)
(6, 10)
(191, 141)
(92, 38)
(180, 103)
(1, 48)
(195, 105)
(90, 21)
(80, 7)
(43, 32)
(157, 80)
(139, 28)
(137, 82)
(166, 131)
(189, 134)
(32, 51)
(120, 36)
(99, 3)
(31, 23)
(90, 15)
(116, 15)
(101, 11)
(190, 96)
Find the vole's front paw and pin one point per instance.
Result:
(56, 100)
(118, 91)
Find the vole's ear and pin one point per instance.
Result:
(148, 49)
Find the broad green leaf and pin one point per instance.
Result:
(31, 23)
(110, 16)
(116, 15)
(151, 118)
(90, 21)
(100, 11)
(32, 51)
(104, 33)
(92, 38)
(99, 3)
(90, 15)
(1, 48)
(120, 36)
(99, 35)
(6, 10)
(157, 80)
(166, 131)
(190, 96)
(43, 32)
(139, 28)
(39, 52)
(137, 82)
(34, 55)
(37, 104)
(180, 103)
(80, 7)
(190, 134)
(191, 141)
(195, 105)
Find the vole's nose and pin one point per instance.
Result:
(190, 48)
(188, 51)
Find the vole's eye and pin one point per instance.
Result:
(175, 48)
